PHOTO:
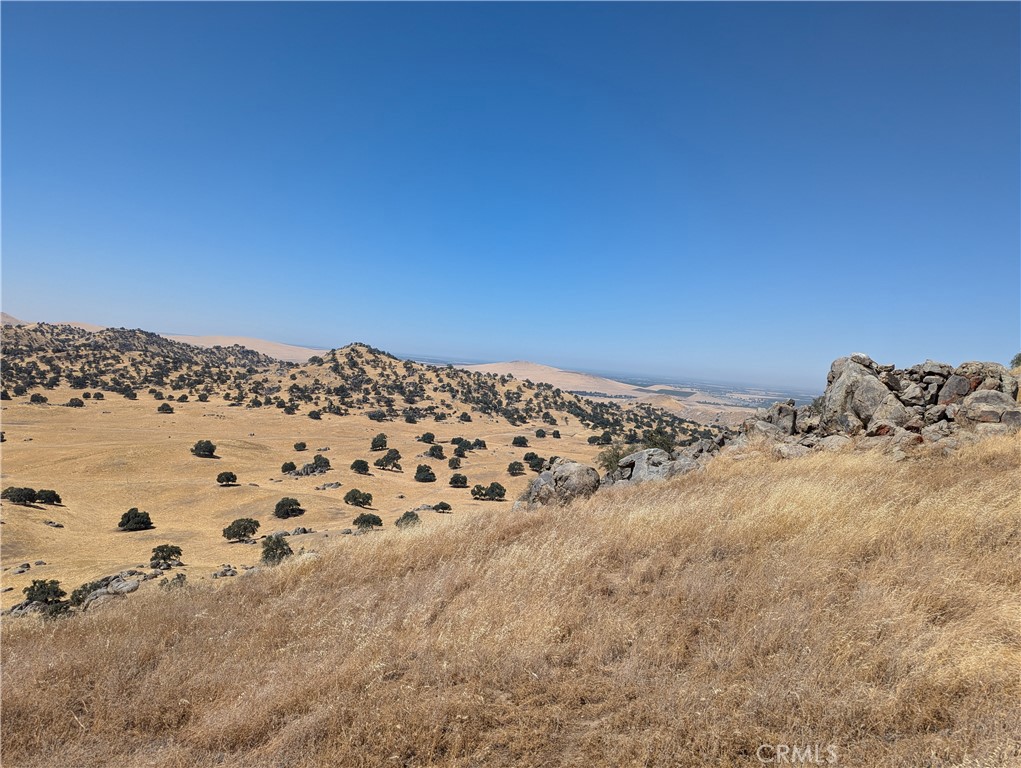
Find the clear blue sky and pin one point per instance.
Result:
(722, 190)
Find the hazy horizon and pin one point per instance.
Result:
(726, 192)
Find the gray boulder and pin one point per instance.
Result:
(854, 390)
(654, 464)
(987, 406)
(562, 483)
(954, 390)
(891, 410)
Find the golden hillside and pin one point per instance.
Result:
(836, 601)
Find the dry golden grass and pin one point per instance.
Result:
(833, 600)
(115, 454)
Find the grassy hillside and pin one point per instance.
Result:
(835, 600)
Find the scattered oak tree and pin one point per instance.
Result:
(360, 467)
(425, 474)
(378, 443)
(275, 550)
(204, 449)
(226, 478)
(288, 507)
(133, 520)
(458, 480)
(242, 528)
(408, 520)
(166, 552)
(367, 520)
(357, 498)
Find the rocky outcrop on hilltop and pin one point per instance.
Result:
(875, 403)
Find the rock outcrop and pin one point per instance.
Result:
(563, 482)
(928, 402)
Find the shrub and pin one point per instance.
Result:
(300, 446)
(357, 498)
(454, 463)
(81, 592)
(288, 507)
(458, 481)
(494, 492)
(478, 444)
(19, 495)
(609, 459)
(226, 478)
(537, 464)
(204, 449)
(320, 462)
(287, 466)
(316, 415)
(367, 520)
(275, 550)
(46, 496)
(515, 468)
(540, 433)
(465, 417)
(604, 439)
(460, 452)
(657, 438)
(360, 467)
(242, 528)
(165, 408)
(435, 452)
(408, 520)
(182, 398)
(425, 474)
(390, 461)
(166, 552)
(203, 398)
(378, 443)
(1015, 362)
(36, 398)
(530, 456)
(442, 506)
(133, 520)
(556, 434)
(427, 437)
(44, 591)
(75, 402)
(520, 442)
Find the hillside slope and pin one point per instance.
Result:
(836, 601)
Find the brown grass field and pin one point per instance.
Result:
(836, 602)
(116, 454)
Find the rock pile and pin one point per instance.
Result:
(564, 481)
(928, 402)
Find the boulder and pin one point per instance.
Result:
(987, 406)
(654, 464)
(790, 450)
(854, 390)
(122, 586)
(784, 416)
(835, 443)
(891, 410)
(992, 376)
(565, 481)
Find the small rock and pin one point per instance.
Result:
(40, 562)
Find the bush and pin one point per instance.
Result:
(203, 398)
(390, 461)
(478, 444)
(458, 481)
(465, 417)
(287, 466)
(442, 506)
(515, 468)
(166, 552)
(81, 592)
(540, 433)
(316, 415)
(275, 550)
(75, 402)
(408, 520)
(360, 467)
(133, 520)
(427, 437)
(520, 442)
(204, 449)
(494, 492)
(44, 591)
(357, 498)
(19, 495)
(36, 398)
(300, 446)
(1015, 362)
(288, 507)
(367, 520)
(454, 463)
(242, 528)
(226, 478)
(320, 462)
(460, 452)
(604, 439)
(182, 398)
(425, 474)
(556, 434)
(610, 458)
(378, 443)
(435, 452)
(658, 438)
(537, 464)
(165, 408)
(46, 496)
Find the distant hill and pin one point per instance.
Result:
(6, 319)
(289, 352)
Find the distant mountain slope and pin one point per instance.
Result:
(289, 352)
(6, 319)
(570, 381)
(355, 378)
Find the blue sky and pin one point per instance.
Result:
(731, 191)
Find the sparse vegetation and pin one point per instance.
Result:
(357, 498)
(492, 492)
(288, 507)
(166, 552)
(275, 550)
(367, 520)
(408, 520)
(227, 478)
(204, 449)
(134, 520)
(242, 528)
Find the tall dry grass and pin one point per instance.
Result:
(843, 601)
